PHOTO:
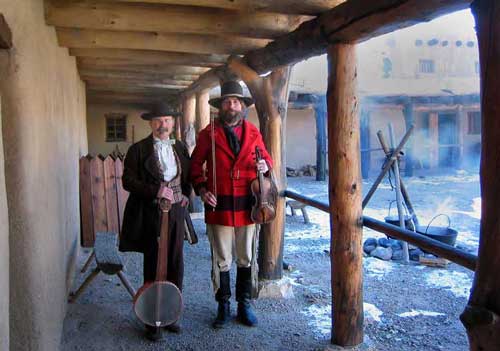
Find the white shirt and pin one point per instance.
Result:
(165, 153)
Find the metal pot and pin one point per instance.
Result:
(446, 235)
(394, 220)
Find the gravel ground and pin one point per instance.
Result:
(407, 307)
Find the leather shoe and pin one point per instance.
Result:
(174, 327)
(153, 333)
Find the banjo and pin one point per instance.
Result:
(159, 303)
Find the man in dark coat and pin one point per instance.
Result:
(156, 167)
(228, 198)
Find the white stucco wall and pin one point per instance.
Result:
(44, 133)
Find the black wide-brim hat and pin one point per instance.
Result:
(231, 89)
(160, 110)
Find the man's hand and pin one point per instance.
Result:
(184, 201)
(262, 166)
(207, 197)
(165, 193)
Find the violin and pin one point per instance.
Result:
(265, 194)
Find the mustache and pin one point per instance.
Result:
(162, 130)
(232, 115)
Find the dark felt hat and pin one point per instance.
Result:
(159, 110)
(230, 89)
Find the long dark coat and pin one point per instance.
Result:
(142, 178)
(234, 174)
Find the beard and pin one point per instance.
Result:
(231, 117)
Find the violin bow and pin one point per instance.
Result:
(214, 172)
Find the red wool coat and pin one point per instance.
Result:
(234, 175)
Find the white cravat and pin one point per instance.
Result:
(166, 156)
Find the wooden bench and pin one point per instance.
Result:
(296, 205)
(108, 261)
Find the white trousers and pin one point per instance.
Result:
(228, 240)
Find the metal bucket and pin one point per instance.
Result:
(446, 235)
(394, 220)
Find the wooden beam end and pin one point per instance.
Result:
(5, 34)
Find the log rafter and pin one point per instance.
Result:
(352, 21)
(187, 43)
(298, 7)
(151, 57)
(170, 19)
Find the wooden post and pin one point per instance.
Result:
(271, 99)
(320, 113)
(409, 121)
(202, 110)
(345, 197)
(188, 119)
(461, 122)
(433, 140)
(481, 317)
(365, 142)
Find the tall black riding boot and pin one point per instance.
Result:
(243, 295)
(222, 297)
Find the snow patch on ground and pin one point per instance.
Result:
(377, 268)
(456, 282)
(320, 319)
(372, 312)
(414, 313)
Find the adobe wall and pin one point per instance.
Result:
(4, 253)
(44, 133)
(137, 128)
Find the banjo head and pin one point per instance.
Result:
(158, 304)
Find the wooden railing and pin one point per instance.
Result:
(102, 197)
(438, 248)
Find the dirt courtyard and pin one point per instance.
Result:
(407, 307)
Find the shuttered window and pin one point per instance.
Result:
(116, 127)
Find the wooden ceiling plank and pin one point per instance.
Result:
(170, 70)
(189, 43)
(171, 19)
(150, 56)
(298, 7)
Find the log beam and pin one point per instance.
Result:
(170, 19)
(152, 57)
(124, 65)
(188, 121)
(320, 116)
(481, 316)
(190, 43)
(345, 197)
(202, 110)
(132, 76)
(353, 21)
(5, 34)
(271, 98)
(310, 7)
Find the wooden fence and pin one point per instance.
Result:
(102, 197)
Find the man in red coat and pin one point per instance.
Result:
(228, 200)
